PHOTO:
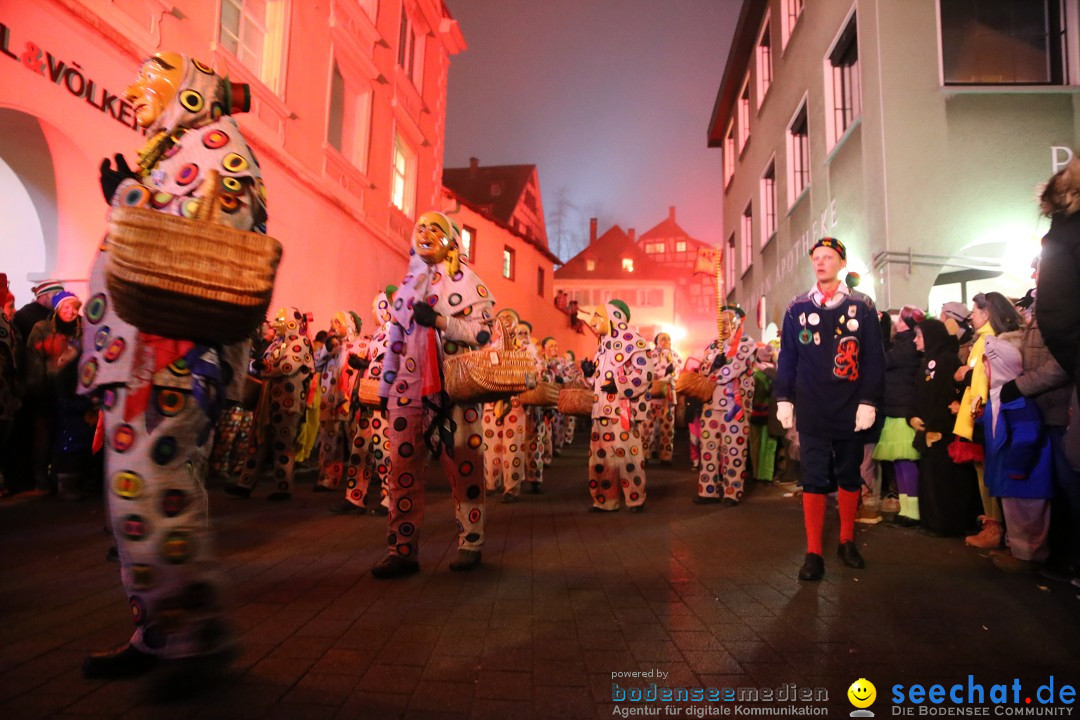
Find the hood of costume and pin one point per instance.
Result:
(290, 352)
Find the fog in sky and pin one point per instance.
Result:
(611, 100)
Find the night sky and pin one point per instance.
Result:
(609, 98)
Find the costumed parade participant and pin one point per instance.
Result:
(505, 423)
(725, 419)
(659, 430)
(620, 373)
(288, 368)
(572, 376)
(536, 430)
(830, 380)
(368, 439)
(161, 395)
(560, 369)
(440, 309)
(336, 379)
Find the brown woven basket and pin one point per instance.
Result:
(695, 385)
(488, 375)
(576, 401)
(369, 391)
(545, 394)
(660, 388)
(172, 276)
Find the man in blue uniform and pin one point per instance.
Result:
(830, 379)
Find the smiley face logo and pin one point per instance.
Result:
(862, 693)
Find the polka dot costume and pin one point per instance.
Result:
(725, 421)
(659, 430)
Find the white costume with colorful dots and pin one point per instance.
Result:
(659, 430)
(725, 421)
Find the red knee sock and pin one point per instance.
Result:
(849, 505)
(813, 507)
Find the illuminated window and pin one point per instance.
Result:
(763, 58)
(1004, 42)
(768, 203)
(628, 264)
(540, 281)
(254, 32)
(744, 114)
(747, 237)
(790, 18)
(468, 246)
(680, 246)
(590, 265)
(404, 177)
(411, 50)
(508, 262)
(350, 118)
(798, 155)
(729, 264)
(729, 155)
(843, 82)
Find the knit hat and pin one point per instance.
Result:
(832, 244)
(46, 286)
(62, 296)
(955, 310)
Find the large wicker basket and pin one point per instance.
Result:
(488, 375)
(660, 388)
(695, 385)
(172, 276)
(576, 401)
(545, 394)
(368, 390)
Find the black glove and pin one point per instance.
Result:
(588, 367)
(424, 315)
(111, 179)
(559, 381)
(358, 363)
(718, 362)
(384, 404)
(258, 366)
(1010, 392)
(609, 387)
(670, 370)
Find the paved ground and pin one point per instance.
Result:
(565, 599)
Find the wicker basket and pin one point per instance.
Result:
(545, 394)
(659, 388)
(368, 391)
(488, 375)
(576, 401)
(695, 385)
(182, 278)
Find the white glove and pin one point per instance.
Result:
(864, 417)
(785, 413)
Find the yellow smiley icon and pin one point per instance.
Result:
(862, 693)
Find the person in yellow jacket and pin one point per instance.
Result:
(991, 314)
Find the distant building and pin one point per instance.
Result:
(653, 274)
(505, 240)
(916, 132)
(347, 121)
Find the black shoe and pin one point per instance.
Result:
(345, 508)
(637, 508)
(706, 500)
(279, 496)
(813, 567)
(112, 554)
(237, 491)
(598, 509)
(508, 498)
(849, 555)
(730, 502)
(380, 510)
(665, 463)
(905, 521)
(182, 678)
(466, 560)
(394, 566)
(122, 662)
(322, 488)
(536, 488)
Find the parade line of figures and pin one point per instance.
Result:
(967, 415)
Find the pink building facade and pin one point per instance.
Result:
(348, 120)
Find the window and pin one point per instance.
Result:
(680, 246)
(798, 155)
(508, 262)
(350, 119)
(763, 58)
(768, 203)
(744, 114)
(747, 237)
(729, 264)
(254, 32)
(540, 281)
(790, 18)
(729, 155)
(842, 79)
(411, 50)
(468, 242)
(1003, 42)
(404, 181)
(496, 189)
(530, 199)
(628, 264)
(650, 297)
(590, 265)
